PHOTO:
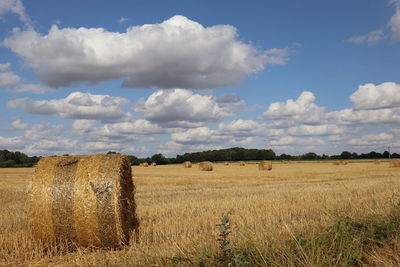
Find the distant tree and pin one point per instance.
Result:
(310, 156)
(159, 159)
(345, 155)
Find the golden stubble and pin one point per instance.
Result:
(179, 207)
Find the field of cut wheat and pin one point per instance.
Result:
(179, 209)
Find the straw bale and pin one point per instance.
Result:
(206, 166)
(395, 163)
(340, 162)
(153, 164)
(145, 164)
(83, 200)
(265, 165)
(226, 163)
(242, 163)
(187, 164)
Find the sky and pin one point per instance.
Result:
(170, 77)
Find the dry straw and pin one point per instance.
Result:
(83, 200)
(206, 166)
(265, 165)
(226, 163)
(242, 163)
(395, 163)
(145, 164)
(153, 164)
(187, 164)
(377, 162)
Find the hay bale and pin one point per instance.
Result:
(83, 200)
(145, 164)
(206, 166)
(377, 162)
(340, 162)
(265, 165)
(226, 163)
(187, 164)
(394, 163)
(242, 163)
(153, 164)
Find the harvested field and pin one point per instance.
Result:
(178, 209)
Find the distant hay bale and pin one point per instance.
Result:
(83, 200)
(265, 165)
(242, 163)
(377, 162)
(340, 162)
(206, 166)
(153, 164)
(187, 164)
(226, 163)
(395, 163)
(145, 164)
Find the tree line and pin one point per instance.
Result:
(19, 159)
(16, 159)
(239, 154)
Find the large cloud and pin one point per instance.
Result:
(77, 105)
(177, 53)
(381, 140)
(303, 109)
(201, 135)
(325, 129)
(176, 107)
(370, 96)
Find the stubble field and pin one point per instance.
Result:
(179, 208)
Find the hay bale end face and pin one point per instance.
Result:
(187, 164)
(83, 200)
(265, 165)
(394, 163)
(206, 166)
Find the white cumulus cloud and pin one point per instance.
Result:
(371, 96)
(177, 53)
(77, 105)
(177, 107)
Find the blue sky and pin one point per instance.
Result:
(146, 77)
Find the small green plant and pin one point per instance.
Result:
(231, 256)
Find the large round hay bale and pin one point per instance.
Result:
(153, 164)
(145, 164)
(395, 163)
(83, 200)
(265, 165)
(187, 164)
(226, 163)
(242, 163)
(206, 166)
